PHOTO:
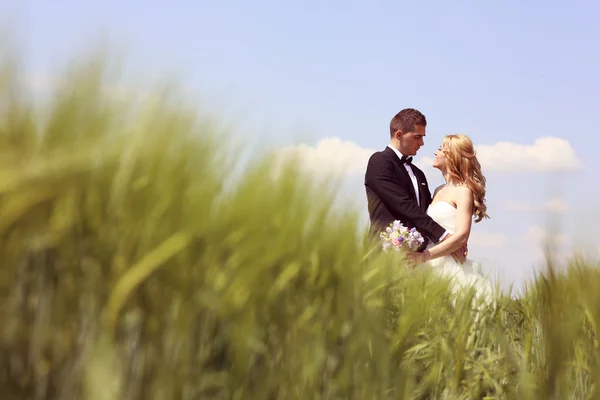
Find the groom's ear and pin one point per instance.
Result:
(398, 134)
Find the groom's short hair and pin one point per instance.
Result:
(406, 121)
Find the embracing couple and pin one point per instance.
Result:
(398, 190)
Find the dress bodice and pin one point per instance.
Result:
(444, 214)
(465, 274)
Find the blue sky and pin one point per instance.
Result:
(305, 71)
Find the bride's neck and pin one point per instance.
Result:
(445, 175)
(449, 180)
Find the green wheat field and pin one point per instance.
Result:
(140, 261)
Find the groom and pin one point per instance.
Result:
(396, 188)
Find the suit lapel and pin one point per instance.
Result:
(422, 189)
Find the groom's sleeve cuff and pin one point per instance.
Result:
(443, 236)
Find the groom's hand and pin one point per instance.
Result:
(460, 255)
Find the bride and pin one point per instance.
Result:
(454, 205)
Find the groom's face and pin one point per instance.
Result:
(411, 142)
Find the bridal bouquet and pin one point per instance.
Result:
(397, 235)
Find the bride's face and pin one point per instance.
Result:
(440, 159)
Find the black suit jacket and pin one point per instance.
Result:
(391, 196)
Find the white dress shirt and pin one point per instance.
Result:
(413, 178)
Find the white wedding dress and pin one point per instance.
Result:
(462, 276)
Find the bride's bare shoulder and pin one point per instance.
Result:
(464, 193)
(437, 189)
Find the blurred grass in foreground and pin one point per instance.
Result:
(129, 272)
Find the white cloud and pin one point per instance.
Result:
(557, 205)
(330, 155)
(544, 155)
(547, 154)
(538, 236)
(554, 205)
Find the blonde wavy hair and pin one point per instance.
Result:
(462, 166)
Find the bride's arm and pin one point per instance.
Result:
(464, 215)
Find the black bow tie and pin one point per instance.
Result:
(406, 160)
